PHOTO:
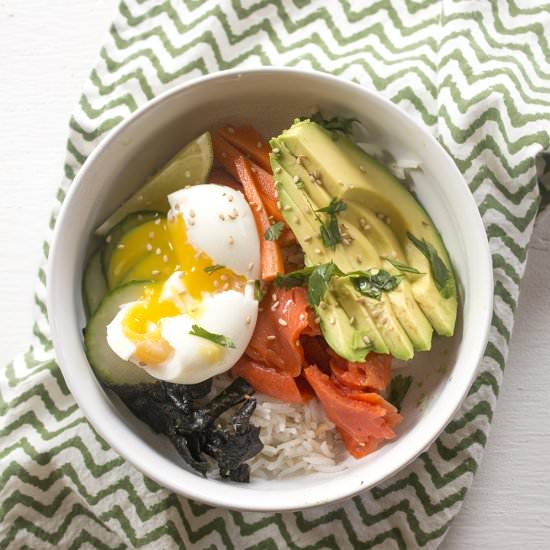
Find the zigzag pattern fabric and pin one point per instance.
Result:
(477, 73)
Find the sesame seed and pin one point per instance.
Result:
(248, 320)
(230, 198)
(359, 259)
(296, 220)
(120, 246)
(366, 339)
(375, 271)
(296, 179)
(140, 217)
(270, 337)
(191, 213)
(380, 215)
(332, 320)
(317, 251)
(157, 221)
(187, 174)
(250, 266)
(322, 305)
(193, 269)
(178, 267)
(287, 208)
(274, 296)
(177, 206)
(223, 277)
(216, 284)
(279, 205)
(253, 168)
(170, 246)
(307, 239)
(231, 240)
(276, 150)
(151, 234)
(340, 182)
(388, 220)
(351, 320)
(278, 170)
(140, 197)
(274, 305)
(108, 239)
(317, 320)
(221, 216)
(302, 317)
(165, 259)
(225, 286)
(258, 207)
(191, 221)
(298, 161)
(157, 251)
(366, 227)
(282, 322)
(351, 186)
(149, 247)
(259, 145)
(155, 272)
(231, 130)
(362, 168)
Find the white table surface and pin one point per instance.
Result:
(47, 49)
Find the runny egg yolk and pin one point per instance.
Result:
(154, 251)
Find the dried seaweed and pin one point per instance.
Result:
(179, 412)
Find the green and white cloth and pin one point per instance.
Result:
(477, 73)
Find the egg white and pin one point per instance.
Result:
(220, 223)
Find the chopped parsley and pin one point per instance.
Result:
(219, 339)
(373, 282)
(336, 125)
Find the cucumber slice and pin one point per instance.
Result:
(108, 367)
(130, 222)
(190, 166)
(94, 286)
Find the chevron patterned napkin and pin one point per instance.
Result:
(477, 73)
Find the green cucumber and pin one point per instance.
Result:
(111, 241)
(108, 367)
(94, 285)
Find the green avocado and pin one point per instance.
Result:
(383, 219)
(352, 324)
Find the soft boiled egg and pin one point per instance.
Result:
(205, 257)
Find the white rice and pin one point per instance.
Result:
(298, 439)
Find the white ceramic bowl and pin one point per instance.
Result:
(270, 99)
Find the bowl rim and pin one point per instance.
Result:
(278, 500)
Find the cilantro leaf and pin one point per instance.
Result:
(399, 387)
(442, 275)
(336, 124)
(212, 268)
(294, 278)
(330, 231)
(219, 339)
(373, 282)
(334, 206)
(319, 281)
(259, 292)
(403, 267)
(274, 231)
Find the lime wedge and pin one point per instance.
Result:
(190, 166)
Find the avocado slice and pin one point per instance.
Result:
(366, 319)
(341, 169)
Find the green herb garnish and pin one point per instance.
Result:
(274, 231)
(212, 268)
(330, 232)
(375, 281)
(398, 390)
(219, 339)
(294, 278)
(259, 292)
(442, 276)
(336, 125)
(403, 267)
(319, 281)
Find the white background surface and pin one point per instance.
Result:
(47, 49)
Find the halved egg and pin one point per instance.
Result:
(205, 270)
